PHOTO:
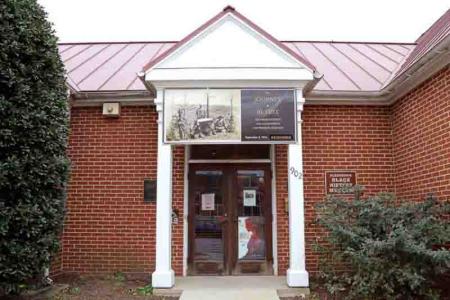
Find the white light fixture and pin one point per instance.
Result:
(111, 109)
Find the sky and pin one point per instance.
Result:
(171, 20)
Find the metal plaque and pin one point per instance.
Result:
(340, 182)
(149, 190)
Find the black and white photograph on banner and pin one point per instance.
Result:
(193, 115)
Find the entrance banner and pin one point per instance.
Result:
(231, 116)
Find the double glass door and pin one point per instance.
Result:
(230, 220)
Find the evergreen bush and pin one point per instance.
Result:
(384, 249)
(33, 138)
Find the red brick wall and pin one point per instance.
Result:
(108, 227)
(356, 138)
(281, 173)
(421, 135)
(178, 204)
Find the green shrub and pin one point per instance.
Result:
(33, 138)
(380, 249)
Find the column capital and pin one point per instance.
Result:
(159, 100)
(300, 103)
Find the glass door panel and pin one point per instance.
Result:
(208, 233)
(250, 212)
(253, 221)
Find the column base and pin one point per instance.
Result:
(163, 279)
(297, 278)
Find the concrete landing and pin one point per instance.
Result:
(232, 287)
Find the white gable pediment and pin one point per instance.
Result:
(229, 43)
(229, 49)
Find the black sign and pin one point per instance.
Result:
(268, 115)
(149, 190)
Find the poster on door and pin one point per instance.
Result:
(251, 244)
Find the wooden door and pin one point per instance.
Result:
(252, 216)
(208, 208)
(230, 219)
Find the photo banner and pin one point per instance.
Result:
(232, 116)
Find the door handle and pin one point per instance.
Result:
(222, 219)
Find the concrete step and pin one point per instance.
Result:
(230, 294)
(235, 288)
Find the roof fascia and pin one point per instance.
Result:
(434, 61)
(95, 98)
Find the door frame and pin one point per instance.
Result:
(231, 249)
(187, 162)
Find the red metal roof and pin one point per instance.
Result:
(427, 41)
(346, 66)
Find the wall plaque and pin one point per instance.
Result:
(339, 182)
(149, 190)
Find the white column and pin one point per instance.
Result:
(163, 276)
(296, 274)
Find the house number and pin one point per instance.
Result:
(296, 173)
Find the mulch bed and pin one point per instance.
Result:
(96, 288)
(119, 287)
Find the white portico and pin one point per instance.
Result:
(229, 52)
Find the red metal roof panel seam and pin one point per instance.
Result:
(382, 54)
(369, 58)
(303, 54)
(396, 70)
(102, 64)
(88, 59)
(77, 53)
(337, 67)
(154, 55)
(356, 64)
(68, 48)
(121, 66)
(306, 57)
(401, 45)
(396, 51)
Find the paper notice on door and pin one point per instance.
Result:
(249, 197)
(208, 201)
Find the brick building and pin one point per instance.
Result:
(207, 155)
